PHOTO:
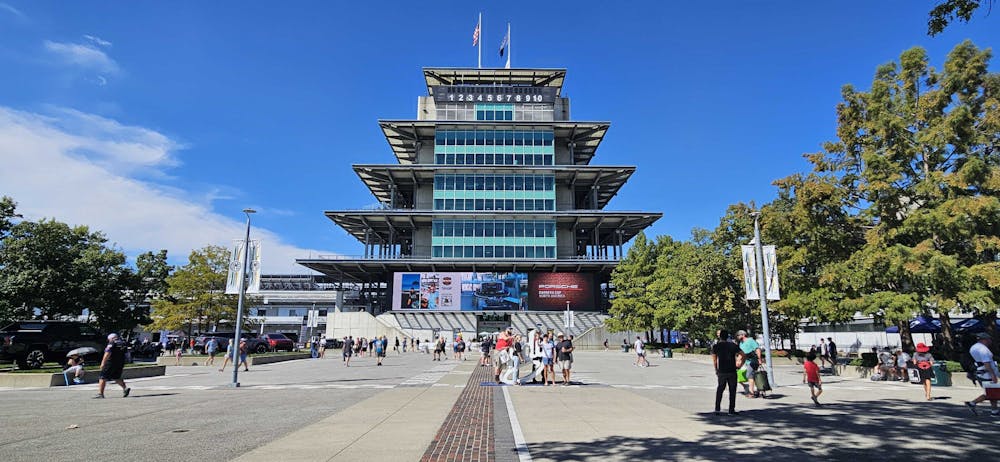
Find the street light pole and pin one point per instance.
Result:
(762, 291)
(239, 304)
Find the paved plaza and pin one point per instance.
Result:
(415, 409)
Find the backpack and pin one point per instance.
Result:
(969, 365)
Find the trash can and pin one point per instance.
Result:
(625, 348)
(667, 352)
(942, 378)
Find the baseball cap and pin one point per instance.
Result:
(741, 332)
(112, 337)
(560, 335)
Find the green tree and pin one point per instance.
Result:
(918, 155)
(633, 305)
(811, 225)
(948, 11)
(195, 296)
(7, 214)
(139, 287)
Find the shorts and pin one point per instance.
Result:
(641, 354)
(566, 364)
(73, 369)
(380, 354)
(546, 361)
(816, 385)
(112, 373)
(243, 357)
(496, 360)
(348, 353)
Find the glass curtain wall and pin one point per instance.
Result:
(494, 192)
(493, 239)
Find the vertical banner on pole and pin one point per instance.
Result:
(254, 285)
(749, 273)
(770, 272)
(235, 269)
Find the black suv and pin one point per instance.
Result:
(32, 343)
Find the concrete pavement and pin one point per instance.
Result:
(320, 410)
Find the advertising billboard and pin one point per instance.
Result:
(493, 291)
(551, 291)
(459, 291)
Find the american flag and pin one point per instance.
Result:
(475, 34)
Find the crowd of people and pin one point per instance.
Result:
(507, 351)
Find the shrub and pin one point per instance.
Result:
(953, 366)
(857, 362)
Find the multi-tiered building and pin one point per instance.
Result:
(492, 213)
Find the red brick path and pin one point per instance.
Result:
(467, 433)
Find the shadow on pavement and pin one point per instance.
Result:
(151, 395)
(860, 430)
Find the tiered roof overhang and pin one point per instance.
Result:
(611, 228)
(404, 135)
(382, 180)
(520, 77)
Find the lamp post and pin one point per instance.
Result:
(762, 291)
(239, 304)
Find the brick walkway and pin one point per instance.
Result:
(467, 433)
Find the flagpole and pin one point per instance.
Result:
(480, 64)
(508, 46)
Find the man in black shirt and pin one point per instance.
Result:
(565, 356)
(112, 365)
(724, 358)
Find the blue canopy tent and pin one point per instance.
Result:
(919, 325)
(971, 326)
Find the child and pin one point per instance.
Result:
(810, 375)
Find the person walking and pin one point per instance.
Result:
(810, 375)
(518, 350)
(832, 351)
(924, 362)
(243, 350)
(211, 346)
(486, 345)
(724, 355)
(986, 371)
(824, 352)
(229, 356)
(460, 348)
(640, 353)
(112, 365)
(396, 346)
(178, 352)
(751, 352)
(380, 346)
(348, 350)
(605, 344)
(565, 357)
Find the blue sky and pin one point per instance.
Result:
(157, 122)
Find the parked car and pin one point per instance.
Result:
(32, 343)
(221, 338)
(334, 343)
(276, 342)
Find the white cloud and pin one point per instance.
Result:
(76, 167)
(12, 10)
(82, 55)
(98, 41)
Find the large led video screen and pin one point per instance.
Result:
(551, 291)
(459, 291)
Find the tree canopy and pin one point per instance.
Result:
(899, 216)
